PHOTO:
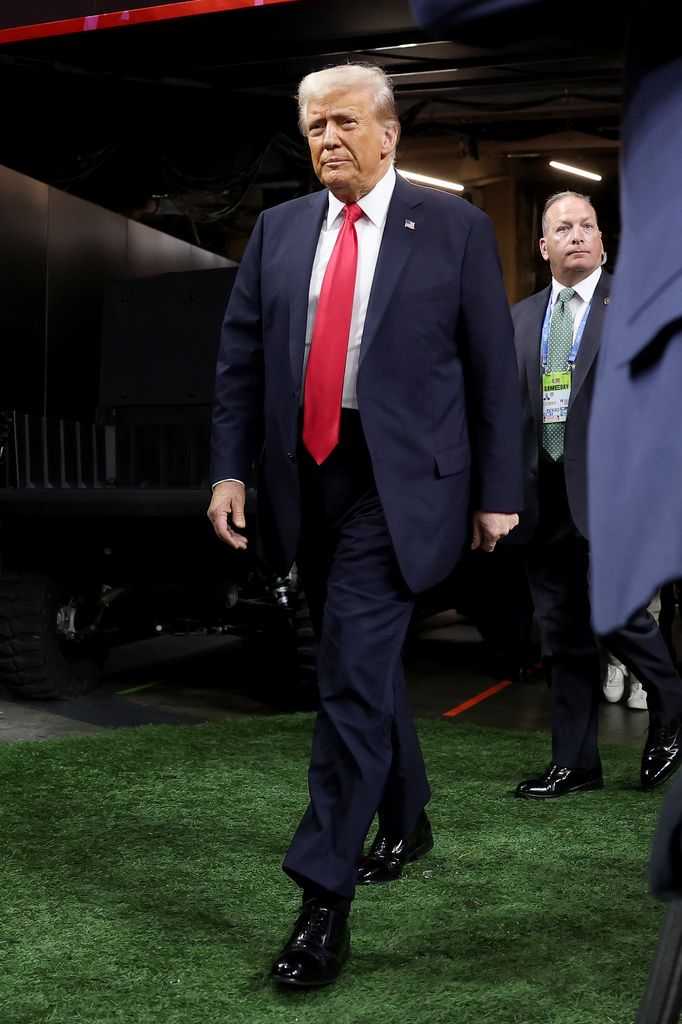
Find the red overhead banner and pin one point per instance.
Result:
(153, 11)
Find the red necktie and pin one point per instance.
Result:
(323, 388)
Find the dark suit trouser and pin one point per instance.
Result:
(558, 565)
(365, 756)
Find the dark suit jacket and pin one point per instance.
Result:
(439, 412)
(528, 317)
(500, 22)
(635, 442)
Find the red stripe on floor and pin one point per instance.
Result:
(477, 699)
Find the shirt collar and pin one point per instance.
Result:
(374, 205)
(584, 289)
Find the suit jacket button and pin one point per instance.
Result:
(291, 457)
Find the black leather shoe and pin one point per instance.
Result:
(559, 781)
(662, 753)
(317, 950)
(387, 857)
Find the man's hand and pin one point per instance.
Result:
(489, 527)
(227, 510)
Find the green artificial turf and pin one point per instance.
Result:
(141, 883)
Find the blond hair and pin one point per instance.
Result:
(350, 76)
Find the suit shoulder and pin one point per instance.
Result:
(530, 303)
(529, 309)
(284, 211)
(449, 204)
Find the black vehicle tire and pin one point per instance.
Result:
(36, 663)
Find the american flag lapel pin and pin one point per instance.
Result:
(410, 224)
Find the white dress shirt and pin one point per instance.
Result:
(580, 302)
(369, 230)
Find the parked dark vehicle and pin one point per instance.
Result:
(103, 531)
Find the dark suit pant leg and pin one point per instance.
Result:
(642, 649)
(557, 571)
(365, 752)
(406, 792)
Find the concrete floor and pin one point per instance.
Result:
(185, 680)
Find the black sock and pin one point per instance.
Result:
(341, 904)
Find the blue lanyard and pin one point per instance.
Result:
(544, 348)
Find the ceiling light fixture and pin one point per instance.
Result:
(575, 170)
(406, 46)
(453, 186)
(396, 46)
(422, 72)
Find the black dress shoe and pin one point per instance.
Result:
(387, 857)
(317, 950)
(662, 753)
(559, 781)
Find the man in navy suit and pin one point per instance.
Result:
(557, 333)
(636, 497)
(370, 489)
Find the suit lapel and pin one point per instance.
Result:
(397, 245)
(304, 236)
(589, 345)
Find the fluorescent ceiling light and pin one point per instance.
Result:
(396, 46)
(453, 186)
(406, 46)
(575, 170)
(422, 73)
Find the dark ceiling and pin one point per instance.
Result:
(192, 121)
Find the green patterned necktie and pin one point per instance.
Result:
(558, 348)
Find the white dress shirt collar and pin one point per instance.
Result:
(584, 289)
(374, 205)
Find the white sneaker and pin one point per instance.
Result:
(613, 686)
(637, 698)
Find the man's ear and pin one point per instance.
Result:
(389, 140)
(543, 250)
